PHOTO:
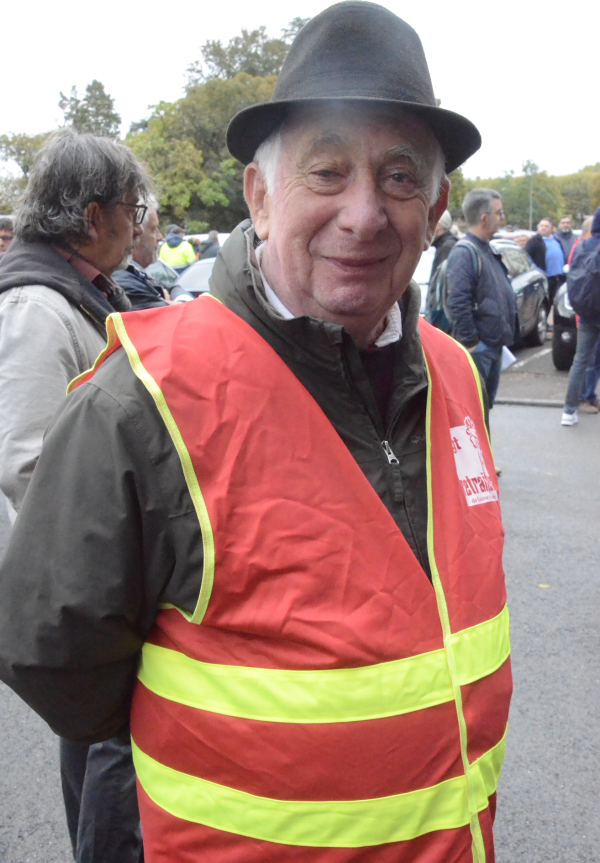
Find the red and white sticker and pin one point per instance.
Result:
(470, 464)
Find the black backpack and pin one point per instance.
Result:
(437, 312)
(583, 282)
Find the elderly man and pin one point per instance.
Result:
(79, 217)
(300, 530)
(143, 290)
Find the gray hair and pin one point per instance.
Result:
(6, 223)
(269, 152)
(446, 220)
(476, 203)
(267, 157)
(586, 225)
(152, 204)
(71, 171)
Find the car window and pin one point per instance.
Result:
(516, 261)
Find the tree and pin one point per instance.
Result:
(22, 150)
(253, 52)
(200, 119)
(458, 190)
(94, 112)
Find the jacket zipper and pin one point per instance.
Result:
(389, 452)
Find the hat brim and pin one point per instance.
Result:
(457, 136)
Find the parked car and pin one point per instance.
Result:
(564, 335)
(529, 284)
(194, 278)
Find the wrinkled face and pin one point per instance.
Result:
(6, 236)
(354, 206)
(565, 224)
(146, 251)
(545, 228)
(117, 234)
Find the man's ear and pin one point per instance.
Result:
(93, 218)
(258, 199)
(436, 211)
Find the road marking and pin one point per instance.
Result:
(541, 353)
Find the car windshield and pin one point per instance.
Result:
(194, 280)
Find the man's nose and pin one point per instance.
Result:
(362, 210)
(138, 230)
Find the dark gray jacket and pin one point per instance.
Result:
(115, 529)
(483, 309)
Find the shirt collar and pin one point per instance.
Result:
(393, 323)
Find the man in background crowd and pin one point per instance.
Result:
(588, 329)
(565, 236)
(547, 253)
(444, 240)
(144, 292)
(210, 248)
(480, 297)
(6, 233)
(72, 230)
(175, 251)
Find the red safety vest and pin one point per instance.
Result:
(325, 702)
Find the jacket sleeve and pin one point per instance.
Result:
(91, 557)
(38, 358)
(461, 298)
(536, 250)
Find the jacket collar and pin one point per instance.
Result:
(27, 264)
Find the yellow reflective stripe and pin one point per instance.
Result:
(320, 824)
(478, 848)
(110, 342)
(188, 470)
(333, 695)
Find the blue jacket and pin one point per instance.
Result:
(482, 309)
(143, 291)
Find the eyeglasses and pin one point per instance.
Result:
(140, 211)
(6, 238)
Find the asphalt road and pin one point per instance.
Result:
(548, 809)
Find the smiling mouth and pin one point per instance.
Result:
(356, 264)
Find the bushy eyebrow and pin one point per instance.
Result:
(326, 138)
(406, 151)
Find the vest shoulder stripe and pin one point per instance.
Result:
(333, 695)
(329, 824)
(188, 470)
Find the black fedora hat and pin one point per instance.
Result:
(354, 51)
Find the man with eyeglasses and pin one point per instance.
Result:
(6, 233)
(80, 216)
(480, 297)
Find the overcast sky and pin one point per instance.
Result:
(522, 72)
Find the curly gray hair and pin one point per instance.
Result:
(71, 171)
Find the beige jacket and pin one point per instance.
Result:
(45, 341)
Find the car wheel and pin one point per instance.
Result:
(563, 352)
(538, 335)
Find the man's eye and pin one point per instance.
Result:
(400, 184)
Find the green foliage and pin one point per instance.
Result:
(196, 227)
(198, 123)
(458, 190)
(253, 52)
(94, 112)
(21, 149)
